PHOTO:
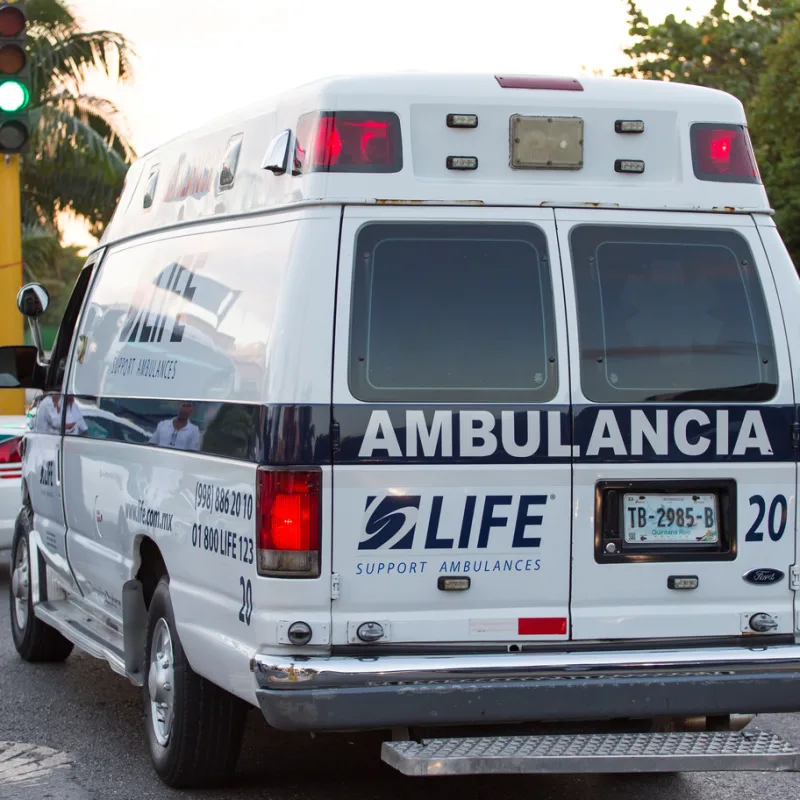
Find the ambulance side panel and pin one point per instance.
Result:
(237, 319)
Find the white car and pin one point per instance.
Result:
(12, 429)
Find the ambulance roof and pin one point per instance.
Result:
(181, 181)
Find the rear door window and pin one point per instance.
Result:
(452, 312)
(667, 314)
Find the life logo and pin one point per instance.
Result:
(390, 523)
(157, 311)
(470, 522)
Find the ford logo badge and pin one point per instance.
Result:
(760, 576)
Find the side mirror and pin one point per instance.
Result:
(32, 302)
(20, 368)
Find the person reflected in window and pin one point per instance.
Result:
(179, 432)
(74, 424)
(48, 417)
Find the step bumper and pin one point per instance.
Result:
(748, 750)
(340, 693)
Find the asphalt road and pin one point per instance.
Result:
(74, 732)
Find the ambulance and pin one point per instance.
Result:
(462, 408)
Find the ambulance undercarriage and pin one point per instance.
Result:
(682, 709)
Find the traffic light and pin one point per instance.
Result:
(15, 92)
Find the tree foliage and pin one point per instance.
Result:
(53, 265)
(775, 122)
(751, 53)
(79, 152)
(722, 51)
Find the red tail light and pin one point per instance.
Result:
(723, 153)
(288, 523)
(10, 458)
(348, 141)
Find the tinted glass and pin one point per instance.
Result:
(670, 314)
(189, 311)
(457, 312)
(723, 153)
(230, 161)
(232, 430)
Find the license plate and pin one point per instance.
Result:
(670, 518)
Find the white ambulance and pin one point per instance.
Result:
(449, 406)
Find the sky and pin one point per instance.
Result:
(199, 59)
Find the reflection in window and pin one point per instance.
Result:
(150, 189)
(179, 431)
(230, 161)
(231, 430)
(48, 415)
(670, 314)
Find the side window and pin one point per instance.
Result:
(452, 313)
(67, 329)
(669, 314)
(229, 162)
(150, 189)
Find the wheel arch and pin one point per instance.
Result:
(148, 569)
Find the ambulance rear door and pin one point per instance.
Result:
(683, 403)
(452, 459)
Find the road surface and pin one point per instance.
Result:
(74, 732)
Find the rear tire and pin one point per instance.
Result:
(194, 729)
(34, 640)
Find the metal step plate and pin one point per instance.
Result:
(750, 749)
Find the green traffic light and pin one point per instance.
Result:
(13, 96)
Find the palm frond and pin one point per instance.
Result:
(65, 142)
(101, 115)
(49, 15)
(61, 58)
(41, 249)
(80, 149)
(71, 167)
(37, 209)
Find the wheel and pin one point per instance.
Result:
(194, 728)
(33, 639)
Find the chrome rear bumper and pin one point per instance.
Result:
(340, 693)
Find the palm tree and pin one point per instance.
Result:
(78, 154)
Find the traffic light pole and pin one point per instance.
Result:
(12, 401)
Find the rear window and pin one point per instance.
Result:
(666, 314)
(452, 312)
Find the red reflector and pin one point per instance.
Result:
(9, 451)
(288, 523)
(542, 626)
(723, 153)
(348, 141)
(539, 82)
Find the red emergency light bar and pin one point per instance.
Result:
(348, 141)
(723, 153)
